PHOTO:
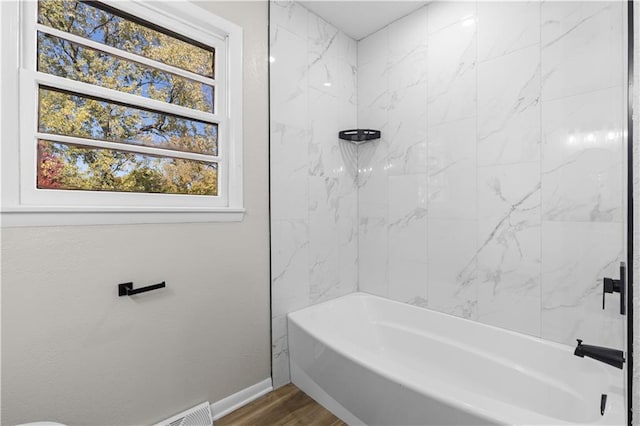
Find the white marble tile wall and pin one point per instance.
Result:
(582, 166)
(313, 173)
(496, 190)
(392, 182)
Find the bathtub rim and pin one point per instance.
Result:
(506, 412)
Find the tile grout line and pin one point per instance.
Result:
(540, 151)
(476, 228)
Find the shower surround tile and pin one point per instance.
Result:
(407, 84)
(291, 171)
(407, 130)
(327, 155)
(509, 108)
(583, 157)
(407, 41)
(504, 27)
(441, 14)
(373, 256)
(374, 98)
(333, 76)
(290, 265)
(322, 38)
(374, 101)
(331, 60)
(495, 191)
(509, 281)
(452, 170)
(513, 93)
(373, 182)
(451, 73)
(452, 267)
(332, 238)
(508, 197)
(373, 47)
(576, 257)
(279, 352)
(582, 48)
(407, 238)
(508, 253)
(290, 15)
(313, 173)
(289, 99)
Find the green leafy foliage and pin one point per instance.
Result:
(66, 166)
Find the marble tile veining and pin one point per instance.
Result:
(452, 267)
(504, 27)
(451, 74)
(522, 124)
(290, 274)
(279, 352)
(407, 216)
(451, 169)
(407, 131)
(289, 101)
(496, 191)
(373, 256)
(441, 14)
(509, 108)
(575, 258)
(289, 170)
(582, 157)
(407, 238)
(313, 192)
(509, 246)
(289, 15)
(581, 47)
(328, 155)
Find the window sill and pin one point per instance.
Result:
(75, 217)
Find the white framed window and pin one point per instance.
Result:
(119, 112)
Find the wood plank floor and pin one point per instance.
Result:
(287, 406)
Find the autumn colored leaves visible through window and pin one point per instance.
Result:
(93, 23)
(94, 169)
(76, 115)
(63, 58)
(177, 162)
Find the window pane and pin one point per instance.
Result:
(69, 114)
(105, 27)
(66, 166)
(66, 59)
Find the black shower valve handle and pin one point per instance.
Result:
(610, 285)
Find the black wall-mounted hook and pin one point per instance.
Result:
(609, 285)
(126, 289)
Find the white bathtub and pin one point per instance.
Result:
(377, 362)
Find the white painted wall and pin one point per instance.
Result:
(76, 353)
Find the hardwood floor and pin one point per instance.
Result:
(287, 406)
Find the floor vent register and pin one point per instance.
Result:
(200, 415)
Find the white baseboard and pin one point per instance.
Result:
(240, 399)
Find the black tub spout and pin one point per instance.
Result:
(609, 356)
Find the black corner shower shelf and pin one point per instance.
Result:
(359, 136)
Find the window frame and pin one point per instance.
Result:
(24, 204)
